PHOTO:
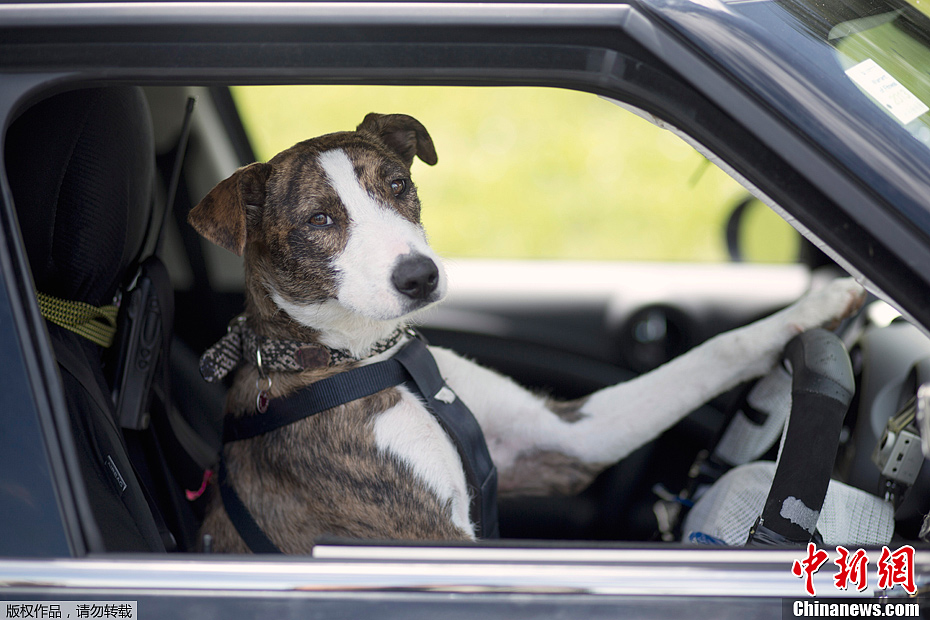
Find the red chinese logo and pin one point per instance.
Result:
(808, 566)
(897, 568)
(894, 568)
(852, 569)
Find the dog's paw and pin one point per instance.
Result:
(827, 306)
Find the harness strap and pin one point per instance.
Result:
(462, 427)
(256, 540)
(316, 398)
(412, 365)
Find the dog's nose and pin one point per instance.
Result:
(416, 276)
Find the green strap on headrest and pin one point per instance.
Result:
(96, 324)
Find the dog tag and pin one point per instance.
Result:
(261, 401)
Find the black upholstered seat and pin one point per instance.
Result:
(81, 169)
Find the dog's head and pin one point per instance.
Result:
(330, 228)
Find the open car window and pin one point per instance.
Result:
(533, 173)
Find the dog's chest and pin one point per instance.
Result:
(410, 433)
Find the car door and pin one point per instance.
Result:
(553, 319)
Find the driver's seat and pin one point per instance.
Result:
(727, 511)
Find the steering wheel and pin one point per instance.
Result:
(822, 386)
(817, 374)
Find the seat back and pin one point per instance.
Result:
(81, 170)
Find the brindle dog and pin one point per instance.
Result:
(335, 255)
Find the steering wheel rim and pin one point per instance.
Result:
(822, 387)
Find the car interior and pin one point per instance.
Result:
(102, 179)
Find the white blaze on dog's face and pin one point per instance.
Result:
(384, 269)
(330, 231)
(387, 269)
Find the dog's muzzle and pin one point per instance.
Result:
(416, 276)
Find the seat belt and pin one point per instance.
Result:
(413, 366)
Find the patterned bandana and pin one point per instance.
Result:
(241, 344)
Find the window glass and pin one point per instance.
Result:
(890, 66)
(534, 172)
(882, 47)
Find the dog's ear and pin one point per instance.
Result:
(221, 215)
(403, 134)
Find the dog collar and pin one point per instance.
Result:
(241, 344)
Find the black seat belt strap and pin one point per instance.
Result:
(457, 420)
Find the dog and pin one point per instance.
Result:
(335, 256)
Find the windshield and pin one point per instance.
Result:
(880, 47)
(887, 57)
(852, 77)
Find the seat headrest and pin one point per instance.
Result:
(81, 167)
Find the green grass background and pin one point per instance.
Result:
(535, 173)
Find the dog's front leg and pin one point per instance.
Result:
(542, 446)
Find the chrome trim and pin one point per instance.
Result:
(379, 14)
(602, 572)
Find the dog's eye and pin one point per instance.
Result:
(399, 187)
(320, 220)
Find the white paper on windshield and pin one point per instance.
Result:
(887, 91)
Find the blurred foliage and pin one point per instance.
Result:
(533, 172)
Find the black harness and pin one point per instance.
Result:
(413, 366)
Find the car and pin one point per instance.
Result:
(820, 110)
